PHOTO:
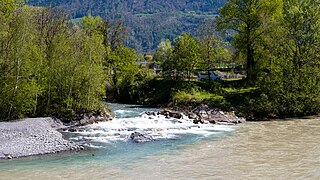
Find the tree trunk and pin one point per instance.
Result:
(250, 63)
(15, 87)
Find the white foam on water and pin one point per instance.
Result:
(122, 112)
(158, 127)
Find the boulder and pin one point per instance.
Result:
(203, 113)
(171, 114)
(175, 115)
(198, 120)
(150, 113)
(138, 137)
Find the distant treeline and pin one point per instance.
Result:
(148, 21)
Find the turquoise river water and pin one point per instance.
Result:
(181, 150)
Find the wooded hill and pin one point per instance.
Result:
(148, 21)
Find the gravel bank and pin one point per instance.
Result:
(29, 137)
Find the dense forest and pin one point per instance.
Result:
(51, 66)
(148, 21)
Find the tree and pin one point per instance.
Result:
(18, 64)
(7, 7)
(185, 55)
(51, 32)
(125, 67)
(163, 56)
(48, 66)
(120, 62)
(212, 48)
(118, 34)
(248, 19)
(291, 87)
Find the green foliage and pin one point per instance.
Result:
(295, 74)
(209, 44)
(250, 20)
(6, 7)
(48, 68)
(290, 85)
(178, 62)
(163, 56)
(196, 97)
(163, 52)
(185, 56)
(125, 69)
(18, 64)
(91, 24)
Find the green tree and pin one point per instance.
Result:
(18, 64)
(185, 55)
(78, 81)
(291, 86)
(51, 29)
(49, 67)
(123, 61)
(6, 8)
(87, 70)
(163, 56)
(212, 48)
(120, 62)
(249, 20)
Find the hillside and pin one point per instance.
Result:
(148, 21)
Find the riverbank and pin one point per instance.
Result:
(33, 136)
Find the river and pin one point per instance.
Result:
(255, 150)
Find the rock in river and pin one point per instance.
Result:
(140, 138)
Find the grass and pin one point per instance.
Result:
(238, 90)
(226, 95)
(196, 97)
(233, 79)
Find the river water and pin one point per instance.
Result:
(255, 150)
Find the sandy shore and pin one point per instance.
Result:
(29, 137)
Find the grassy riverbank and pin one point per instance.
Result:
(248, 100)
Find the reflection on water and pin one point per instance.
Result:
(256, 150)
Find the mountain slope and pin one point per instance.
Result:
(148, 21)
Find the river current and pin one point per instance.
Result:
(181, 150)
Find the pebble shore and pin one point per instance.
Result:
(33, 136)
